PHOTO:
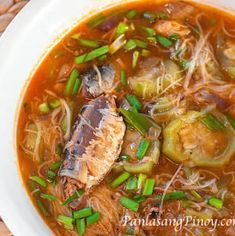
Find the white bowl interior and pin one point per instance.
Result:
(21, 46)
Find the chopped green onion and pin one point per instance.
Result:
(142, 149)
(77, 87)
(129, 204)
(196, 195)
(76, 195)
(51, 174)
(141, 44)
(133, 100)
(130, 231)
(174, 36)
(130, 45)
(117, 44)
(148, 187)
(139, 198)
(81, 226)
(178, 195)
(145, 53)
(215, 202)
(44, 108)
(133, 43)
(54, 104)
(150, 32)
(89, 43)
(39, 180)
(139, 121)
(76, 36)
(136, 168)
(152, 40)
(71, 82)
(120, 179)
(212, 123)
(66, 221)
(124, 158)
(123, 77)
(141, 180)
(102, 58)
(93, 218)
(162, 15)
(150, 16)
(48, 197)
(98, 20)
(165, 42)
(184, 63)
(231, 120)
(42, 208)
(131, 14)
(82, 213)
(92, 55)
(135, 59)
(131, 184)
(55, 166)
(122, 28)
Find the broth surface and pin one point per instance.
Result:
(174, 92)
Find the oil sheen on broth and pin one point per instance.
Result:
(132, 115)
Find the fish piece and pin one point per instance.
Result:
(94, 145)
(170, 27)
(98, 80)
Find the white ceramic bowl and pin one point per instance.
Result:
(27, 38)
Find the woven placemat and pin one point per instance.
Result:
(8, 10)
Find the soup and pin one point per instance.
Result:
(128, 125)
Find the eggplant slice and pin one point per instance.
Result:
(94, 145)
(98, 80)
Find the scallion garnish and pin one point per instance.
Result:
(129, 204)
(93, 218)
(55, 166)
(162, 15)
(135, 59)
(71, 82)
(48, 197)
(82, 213)
(130, 45)
(137, 120)
(76, 36)
(148, 187)
(44, 108)
(66, 221)
(150, 16)
(54, 104)
(141, 43)
(216, 202)
(165, 42)
(81, 226)
(231, 120)
(76, 195)
(39, 180)
(42, 208)
(139, 198)
(174, 36)
(178, 195)
(184, 63)
(77, 87)
(120, 179)
(99, 19)
(51, 174)
(89, 43)
(122, 28)
(145, 53)
(134, 101)
(131, 184)
(196, 195)
(124, 158)
(131, 14)
(92, 55)
(150, 32)
(141, 180)
(212, 123)
(123, 77)
(142, 149)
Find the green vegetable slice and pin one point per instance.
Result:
(129, 204)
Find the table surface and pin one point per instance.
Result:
(8, 10)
